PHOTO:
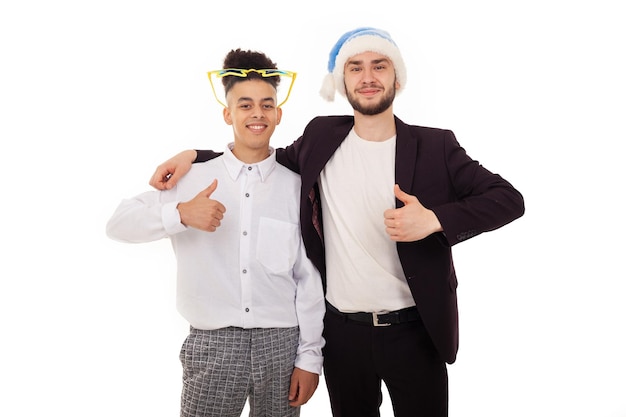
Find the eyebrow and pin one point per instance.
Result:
(374, 61)
(266, 99)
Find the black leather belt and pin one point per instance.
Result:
(379, 319)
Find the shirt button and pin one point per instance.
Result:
(247, 194)
(247, 310)
(245, 271)
(245, 233)
(249, 168)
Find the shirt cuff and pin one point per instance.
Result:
(310, 362)
(171, 218)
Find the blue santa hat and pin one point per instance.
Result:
(356, 42)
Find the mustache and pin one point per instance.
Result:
(370, 85)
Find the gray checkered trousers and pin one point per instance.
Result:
(224, 367)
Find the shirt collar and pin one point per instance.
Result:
(235, 167)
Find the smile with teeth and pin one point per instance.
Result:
(257, 127)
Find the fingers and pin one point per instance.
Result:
(165, 178)
(202, 212)
(168, 173)
(207, 194)
(171, 178)
(160, 179)
(396, 220)
(303, 385)
(402, 196)
(293, 389)
(300, 397)
(209, 190)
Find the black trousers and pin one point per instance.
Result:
(358, 356)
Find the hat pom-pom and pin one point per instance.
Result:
(328, 87)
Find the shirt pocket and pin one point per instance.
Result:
(277, 245)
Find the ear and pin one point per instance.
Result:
(279, 115)
(227, 118)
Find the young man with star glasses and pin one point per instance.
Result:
(252, 297)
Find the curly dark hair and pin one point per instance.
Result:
(238, 58)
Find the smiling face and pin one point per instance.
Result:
(253, 114)
(371, 83)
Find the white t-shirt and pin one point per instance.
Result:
(362, 264)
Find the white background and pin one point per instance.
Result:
(94, 95)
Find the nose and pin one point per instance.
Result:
(367, 75)
(257, 112)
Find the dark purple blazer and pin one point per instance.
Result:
(431, 165)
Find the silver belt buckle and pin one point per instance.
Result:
(375, 319)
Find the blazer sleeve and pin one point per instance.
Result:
(203, 155)
(294, 156)
(483, 201)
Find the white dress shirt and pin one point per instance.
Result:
(253, 270)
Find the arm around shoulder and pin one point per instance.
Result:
(169, 172)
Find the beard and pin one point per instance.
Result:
(375, 108)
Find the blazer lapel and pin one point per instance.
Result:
(326, 143)
(406, 155)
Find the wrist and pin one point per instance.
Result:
(180, 207)
(436, 224)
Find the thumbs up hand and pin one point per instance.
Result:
(202, 212)
(411, 222)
